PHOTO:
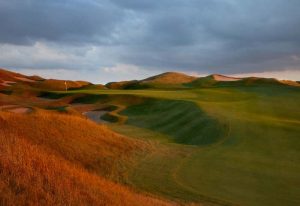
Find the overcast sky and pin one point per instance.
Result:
(110, 40)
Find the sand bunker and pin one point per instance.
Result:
(20, 110)
(7, 83)
(222, 78)
(96, 116)
(291, 83)
(7, 106)
(24, 79)
(16, 109)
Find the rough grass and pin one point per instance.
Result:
(76, 139)
(55, 159)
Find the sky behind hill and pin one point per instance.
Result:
(112, 40)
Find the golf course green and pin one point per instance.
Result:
(223, 145)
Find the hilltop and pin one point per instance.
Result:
(217, 80)
(15, 81)
(8, 78)
(169, 78)
(162, 80)
(173, 80)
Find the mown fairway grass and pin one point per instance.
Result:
(255, 161)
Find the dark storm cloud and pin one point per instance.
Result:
(25, 21)
(225, 36)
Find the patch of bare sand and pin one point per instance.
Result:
(223, 78)
(291, 83)
(15, 109)
(89, 107)
(96, 116)
(7, 83)
(24, 79)
(20, 110)
(7, 106)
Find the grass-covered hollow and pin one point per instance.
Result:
(52, 95)
(57, 108)
(183, 121)
(89, 99)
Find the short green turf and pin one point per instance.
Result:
(223, 145)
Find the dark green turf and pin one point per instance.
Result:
(52, 95)
(184, 121)
(59, 108)
(89, 99)
(7, 92)
(254, 162)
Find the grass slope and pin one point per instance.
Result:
(211, 81)
(57, 159)
(192, 126)
(166, 80)
(257, 164)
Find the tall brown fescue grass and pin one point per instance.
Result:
(56, 159)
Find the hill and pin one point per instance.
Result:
(133, 84)
(174, 80)
(59, 85)
(55, 159)
(221, 80)
(164, 80)
(10, 79)
(169, 78)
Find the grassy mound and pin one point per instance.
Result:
(90, 99)
(134, 84)
(169, 78)
(183, 121)
(52, 95)
(55, 159)
(211, 81)
(6, 91)
(165, 80)
(208, 81)
(6, 75)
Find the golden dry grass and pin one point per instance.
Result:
(9, 76)
(55, 159)
(76, 139)
(290, 83)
